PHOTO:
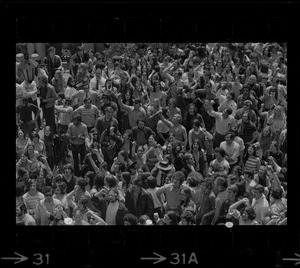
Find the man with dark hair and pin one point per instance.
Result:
(22, 217)
(246, 109)
(231, 148)
(106, 120)
(53, 63)
(135, 112)
(141, 133)
(246, 96)
(76, 59)
(77, 132)
(139, 201)
(46, 207)
(220, 165)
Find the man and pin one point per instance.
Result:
(141, 133)
(84, 93)
(53, 63)
(220, 165)
(209, 121)
(232, 150)
(246, 95)
(46, 207)
(48, 96)
(113, 210)
(67, 177)
(197, 132)
(64, 116)
(75, 60)
(26, 68)
(97, 83)
(259, 203)
(107, 102)
(77, 132)
(138, 201)
(22, 217)
(246, 130)
(135, 112)
(172, 192)
(246, 108)
(220, 186)
(89, 113)
(106, 120)
(224, 121)
(24, 116)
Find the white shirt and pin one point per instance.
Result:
(233, 151)
(111, 213)
(29, 90)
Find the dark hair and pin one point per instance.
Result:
(173, 218)
(221, 151)
(69, 81)
(259, 187)
(34, 134)
(50, 49)
(83, 200)
(231, 135)
(78, 117)
(197, 122)
(82, 183)
(188, 216)
(131, 218)
(251, 212)
(276, 193)
(85, 56)
(143, 219)
(22, 171)
(221, 181)
(232, 94)
(69, 166)
(137, 181)
(111, 180)
(22, 207)
(99, 181)
(152, 182)
(127, 178)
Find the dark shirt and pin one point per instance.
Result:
(26, 112)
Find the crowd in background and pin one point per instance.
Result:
(152, 134)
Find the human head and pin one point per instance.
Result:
(170, 218)
(113, 195)
(220, 183)
(257, 191)
(219, 153)
(178, 178)
(188, 159)
(232, 191)
(187, 218)
(137, 185)
(48, 193)
(130, 219)
(229, 137)
(196, 124)
(246, 90)
(227, 111)
(151, 182)
(141, 124)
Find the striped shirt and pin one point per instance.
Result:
(31, 200)
(251, 164)
(88, 115)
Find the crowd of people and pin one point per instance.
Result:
(152, 134)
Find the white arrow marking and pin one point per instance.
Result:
(293, 259)
(20, 258)
(158, 259)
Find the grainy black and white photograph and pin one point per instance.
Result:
(151, 133)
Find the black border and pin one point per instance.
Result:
(173, 21)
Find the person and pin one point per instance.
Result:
(64, 116)
(201, 134)
(259, 203)
(186, 203)
(246, 95)
(162, 171)
(48, 140)
(46, 207)
(158, 205)
(88, 112)
(187, 218)
(104, 121)
(188, 164)
(130, 219)
(246, 130)
(138, 201)
(251, 160)
(191, 115)
(77, 132)
(59, 193)
(220, 187)
(170, 218)
(274, 152)
(224, 121)
(53, 63)
(113, 211)
(172, 192)
(98, 81)
(277, 122)
(153, 153)
(70, 90)
(246, 109)
(24, 116)
(38, 143)
(58, 82)
(93, 160)
(246, 216)
(135, 112)
(21, 142)
(231, 148)
(219, 166)
(84, 93)
(229, 103)
(78, 219)
(199, 157)
(141, 133)
(22, 215)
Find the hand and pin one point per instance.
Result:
(88, 155)
(245, 200)
(76, 188)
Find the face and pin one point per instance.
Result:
(256, 194)
(112, 196)
(183, 195)
(195, 146)
(245, 117)
(151, 140)
(246, 92)
(228, 139)
(261, 171)
(176, 180)
(230, 194)
(57, 191)
(30, 149)
(250, 150)
(48, 196)
(245, 215)
(136, 188)
(78, 218)
(166, 219)
(127, 96)
(47, 131)
(229, 97)
(140, 151)
(191, 109)
(272, 147)
(172, 138)
(67, 171)
(169, 147)
(141, 124)
(33, 187)
(20, 133)
(108, 114)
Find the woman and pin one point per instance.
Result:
(127, 100)
(188, 164)
(199, 157)
(277, 122)
(34, 157)
(21, 142)
(265, 139)
(111, 141)
(78, 219)
(49, 146)
(39, 145)
(70, 90)
(246, 216)
(127, 143)
(246, 76)
(173, 109)
(190, 116)
(92, 137)
(153, 154)
(251, 160)
(139, 156)
(162, 129)
(92, 160)
(156, 92)
(275, 153)
(58, 82)
(186, 204)
(60, 194)
(270, 98)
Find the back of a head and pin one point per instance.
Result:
(152, 182)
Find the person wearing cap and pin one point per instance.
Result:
(162, 171)
(53, 63)
(135, 112)
(138, 201)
